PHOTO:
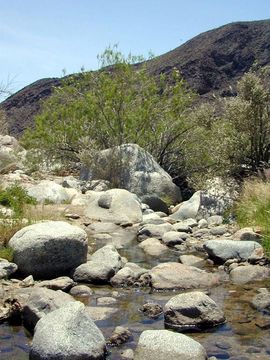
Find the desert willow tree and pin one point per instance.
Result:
(248, 118)
(120, 103)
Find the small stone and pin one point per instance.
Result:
(127, 354)
(28, 281)
(106, 300)
(151, 310)
(119, 336)
(81, 291)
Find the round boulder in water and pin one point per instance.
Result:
(49, 249)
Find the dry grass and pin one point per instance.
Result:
(253, 208)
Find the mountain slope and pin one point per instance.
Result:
(211, 62)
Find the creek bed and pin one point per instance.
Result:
(238, 339)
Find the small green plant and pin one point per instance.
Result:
(6, 252)
(253, 208)
(15, 197)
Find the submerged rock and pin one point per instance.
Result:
(169, 276)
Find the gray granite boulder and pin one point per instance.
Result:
(153, 231)
(153, 247)
(169, 276)
(49, 191)
(103, 265)
(136, 171)
(63, 283)
(223, 250)
(165, 344)
(202, 204)
(261, 301)
(68, 333)
(41, 302)
(192, 310)
(128, 275)
(249, 273)
(115, 205)
(49, 249)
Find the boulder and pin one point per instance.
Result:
(48, 191)
(49, 249)
(136, 171)
(81, 291)
(172, 238)
(41, 302)
(153, 247)
(103, 265)
(7, 268)
(93, 273)
(109, 256)
(246, 234)
(169, 276)
(261, 301)
(153, 231)
(68, 333)
(192, 310)
(215, 220)
(155, 203)
(128, 275)
(165, 344)
(116, 205)
(249, 273)
(223, 250)
(191, 260)
(63, 283)
(201, 205)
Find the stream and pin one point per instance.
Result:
(245, 335)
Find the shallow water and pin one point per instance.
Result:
(239, 339)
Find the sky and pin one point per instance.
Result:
(41, 38)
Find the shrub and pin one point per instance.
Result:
(15, 197)
(253, 208)
(6, 253)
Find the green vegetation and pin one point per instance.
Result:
(6, 253)
(253, 208)
(119, 104)
(124, 103)
(15, 197)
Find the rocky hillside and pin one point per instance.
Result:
(211, 62)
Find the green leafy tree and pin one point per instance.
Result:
(120, 103)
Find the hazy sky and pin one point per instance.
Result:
(40, 38)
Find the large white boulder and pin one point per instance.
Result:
(49, 191)
(49, 249)
(116, 205)
(135, 170)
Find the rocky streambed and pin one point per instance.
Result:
(118, 280)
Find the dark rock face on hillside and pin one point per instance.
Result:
(25, 104)
(216, 59)
(211, 62)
